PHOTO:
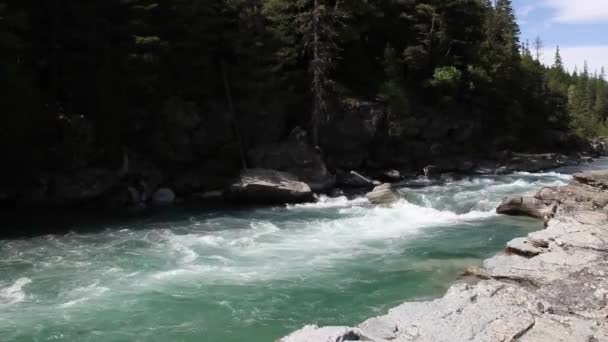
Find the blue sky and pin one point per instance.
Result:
(579, 27)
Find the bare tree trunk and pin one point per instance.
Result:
(316, 82)
(235, 126)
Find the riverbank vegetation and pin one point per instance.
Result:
(185, 81)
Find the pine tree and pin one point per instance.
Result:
(508, 30)
(558, 64)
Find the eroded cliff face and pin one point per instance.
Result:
(549, 286)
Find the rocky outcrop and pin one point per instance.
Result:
(383, 195)
(350, 135)
(261, 186)
(295, 156)
(597, 179)
(551, 286)
(599, 147)
(72, 188)
(537, 162)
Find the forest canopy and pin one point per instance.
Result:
(83, 80)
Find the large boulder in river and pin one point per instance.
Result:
(262, 186)
(526, 206)
(383, 195)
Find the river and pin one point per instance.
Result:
(256, 274)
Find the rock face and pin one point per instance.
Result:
(525, 206)
(552, 286)
(350, 135)
(599, 147)
(261, 186)
(383, 195)
(295, 156)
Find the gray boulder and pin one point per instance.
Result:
(262, 186)
(383, 195)
(525, 206)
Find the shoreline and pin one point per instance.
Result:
(91, 212)
(549, 286)
(59, 219)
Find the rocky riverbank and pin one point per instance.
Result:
(549, 286)
(192, 159)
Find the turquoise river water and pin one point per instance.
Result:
(254, 275)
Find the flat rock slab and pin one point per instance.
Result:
(523, 247)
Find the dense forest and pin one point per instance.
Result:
(192, 84)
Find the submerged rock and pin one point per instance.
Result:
(383, 195)
(263, 186)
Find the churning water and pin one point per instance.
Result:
(254, 275)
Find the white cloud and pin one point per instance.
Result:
(525, 11)
(578, 11)
(596, 57)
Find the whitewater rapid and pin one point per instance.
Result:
(240, 266)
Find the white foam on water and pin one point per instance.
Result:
(279, 250)
(14, 293)
(557, 175)
(326, 202)
(83, 294)
(289, 243)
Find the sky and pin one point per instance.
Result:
(579, 27)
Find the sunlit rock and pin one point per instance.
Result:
(269, 187)
(525, 206)
(383, 195)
